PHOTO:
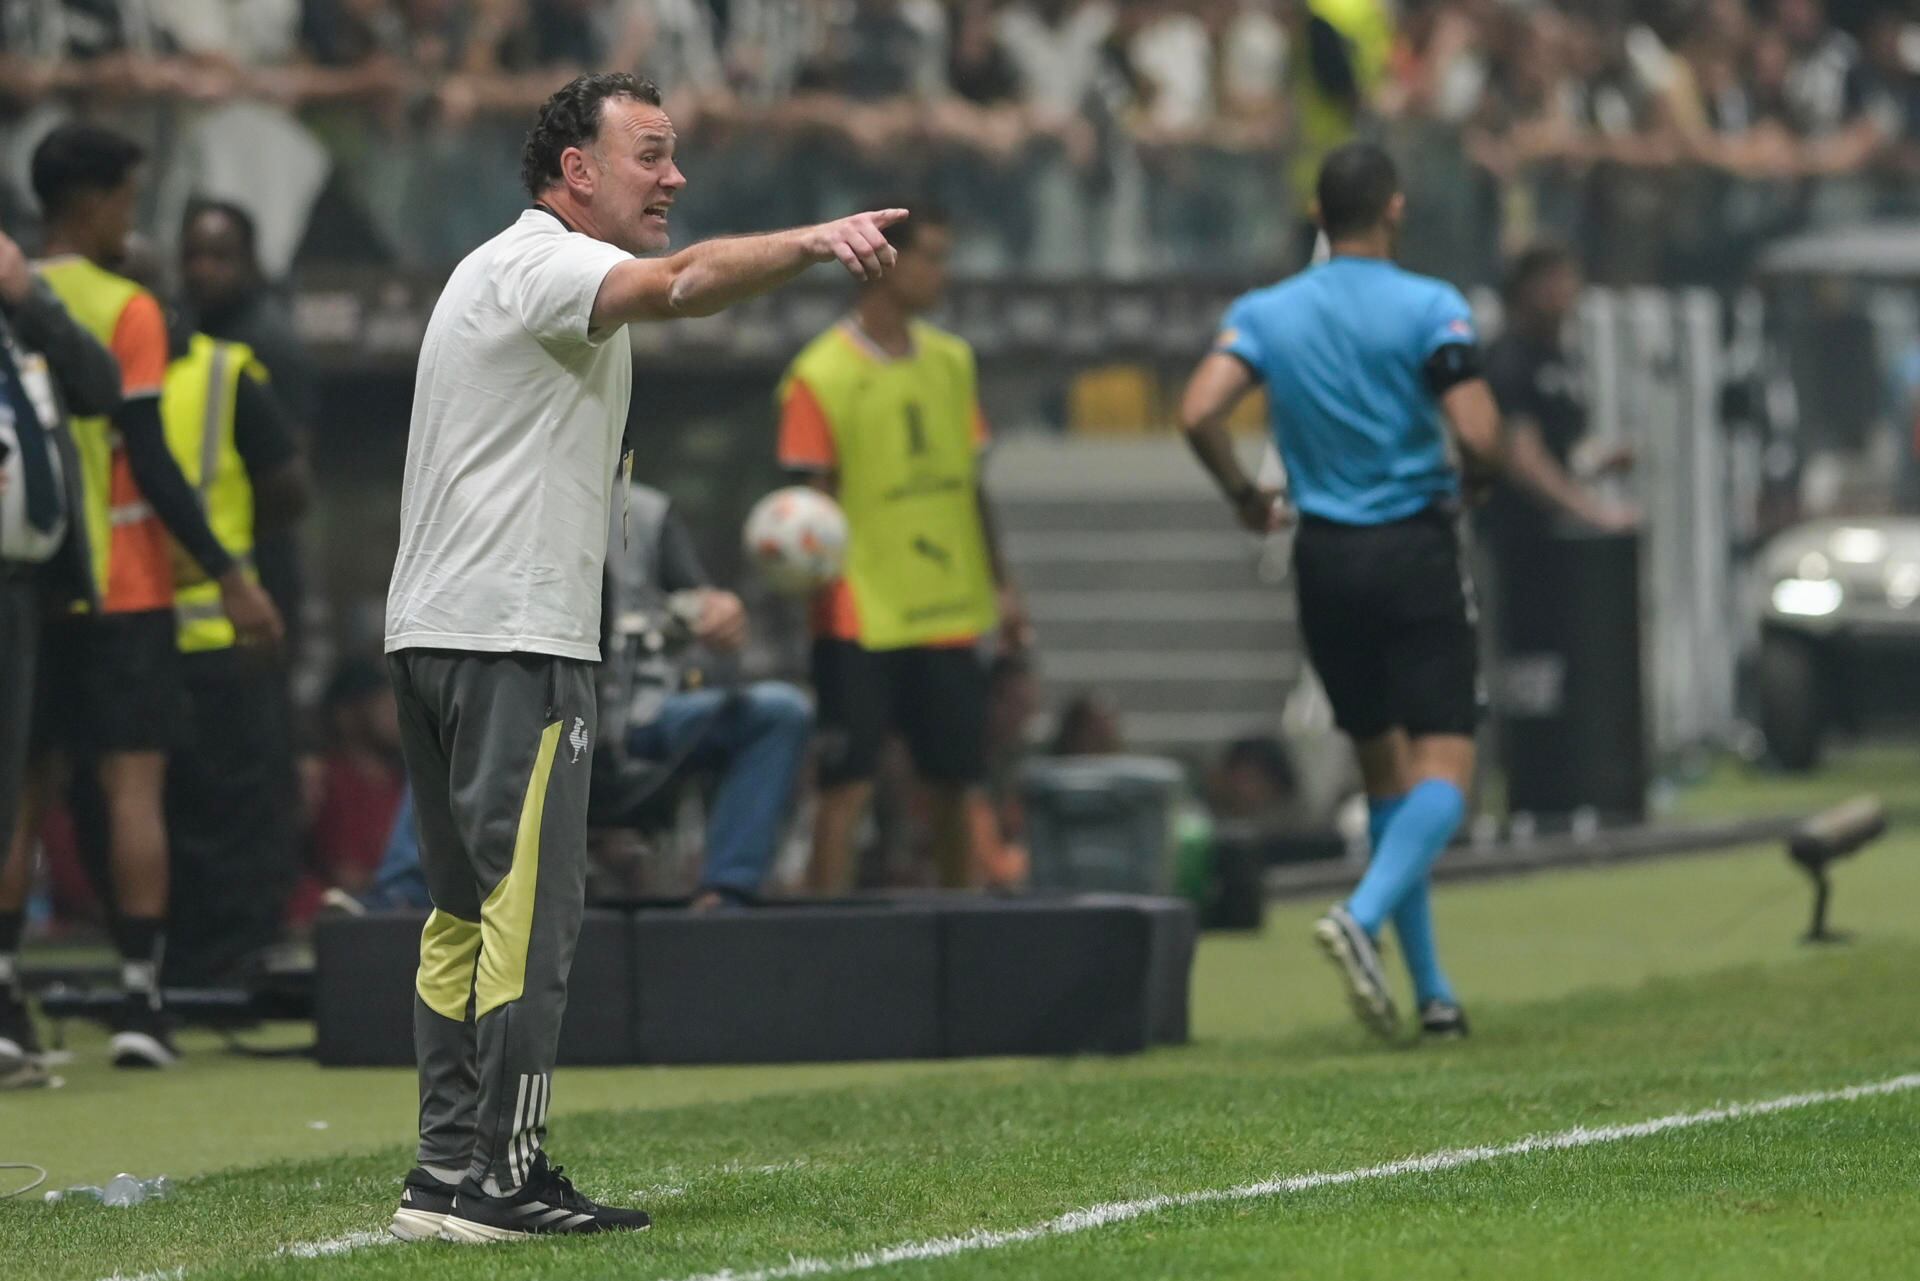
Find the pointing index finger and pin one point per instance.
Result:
(884, 218)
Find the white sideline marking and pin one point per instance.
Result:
(338, 1245)
(1099, 1216)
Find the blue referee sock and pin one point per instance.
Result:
(1411, 839)
(1380, 812)
(1413, 919)
(1413, 922)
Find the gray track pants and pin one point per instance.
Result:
(498, 750)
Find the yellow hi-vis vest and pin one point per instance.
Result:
(908, 465)
(198, 408)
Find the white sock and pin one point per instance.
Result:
(445, 1173)
(9, 971)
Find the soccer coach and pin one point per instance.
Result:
(516, 439)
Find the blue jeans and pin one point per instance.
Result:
(400, 882)
(756, 744)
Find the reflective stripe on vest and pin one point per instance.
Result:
(197, 409)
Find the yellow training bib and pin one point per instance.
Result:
(907, 452)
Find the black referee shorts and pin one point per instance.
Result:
(1388, 614)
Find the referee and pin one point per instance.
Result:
(1367, 367)
(493, 618)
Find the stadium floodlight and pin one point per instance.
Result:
(1833, 834)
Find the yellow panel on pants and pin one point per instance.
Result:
(487, 959)
(506, 918)
(448, 948)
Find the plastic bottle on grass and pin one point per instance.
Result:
(122, 1190)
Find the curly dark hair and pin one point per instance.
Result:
(571, 118)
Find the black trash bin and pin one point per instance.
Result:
(1566, 686)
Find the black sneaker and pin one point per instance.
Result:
(1353, 953)
(545, 1205)
(1443, 1021)
(425, 1203)
(142, 1035)
(20, 1052)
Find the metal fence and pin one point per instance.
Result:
(1657, 362)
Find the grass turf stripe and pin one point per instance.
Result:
(1099, 1216)
(1105, 1214)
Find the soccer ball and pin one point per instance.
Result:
(798, 538)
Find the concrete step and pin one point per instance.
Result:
(1191, 731)
(1151, 466)
(1093, 513)
(1144, 577)
(1196, 608)
(1264, 699)
(1171, 637)
(1220, 667)
(1143, 587)
(1126, 544)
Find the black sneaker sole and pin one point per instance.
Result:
(467, 1231)
(1444, 1031)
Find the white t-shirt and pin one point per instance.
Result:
(512, 452)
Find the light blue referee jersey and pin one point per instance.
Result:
(1342, 349)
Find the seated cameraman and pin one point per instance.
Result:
(662, 711)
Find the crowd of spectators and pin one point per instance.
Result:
(1126, 136)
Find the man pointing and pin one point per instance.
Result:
(493, 618)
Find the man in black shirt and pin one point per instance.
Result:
(1536, 379)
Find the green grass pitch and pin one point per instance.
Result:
(1599, 998)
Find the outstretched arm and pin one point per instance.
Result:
(1217, 385)
(715, 274)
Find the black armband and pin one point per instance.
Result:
(1451, 365)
